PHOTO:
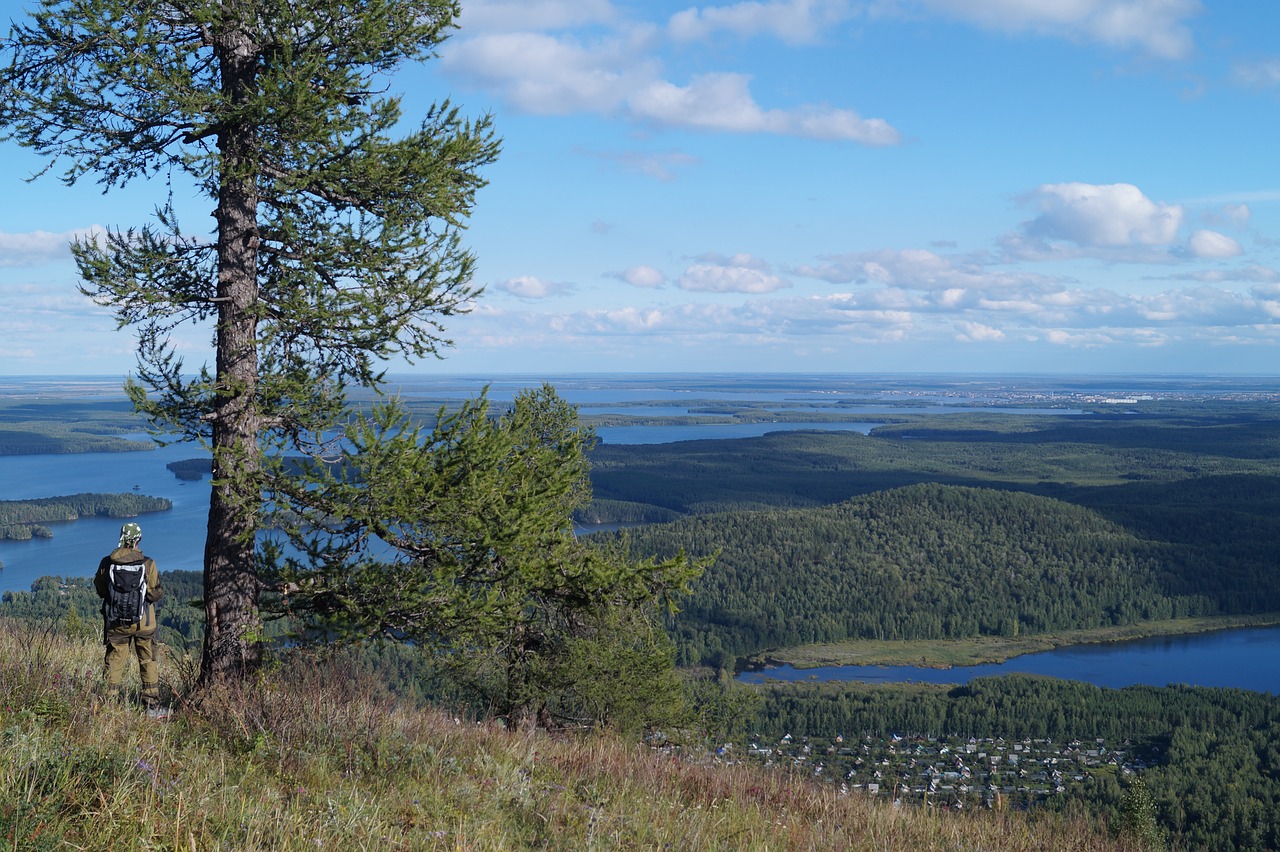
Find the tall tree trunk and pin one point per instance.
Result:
(232, 623)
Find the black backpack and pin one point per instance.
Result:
(126, 601)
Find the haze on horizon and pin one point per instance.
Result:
(987, 186)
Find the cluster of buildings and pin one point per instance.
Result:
(944, 771)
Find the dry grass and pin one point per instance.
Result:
(318, 756)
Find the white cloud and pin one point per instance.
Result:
(1212, 245)
(998, 316)
(1157, 27)
(1090, 340)
(559, 75)
(40, 246)
(793, 21)
(921, 269)
(738, 274)
(548, 75)
(530, 287)
(976, 332)
(642, 276)
(723, 102)
(1106, 215)
(1114, 222)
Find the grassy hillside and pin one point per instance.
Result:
(317, 755)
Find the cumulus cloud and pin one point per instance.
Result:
(617, 74)
(1102, 215)
(724, 102)
(530, 287)
(976, 332)
(642, 276)
(794, 22)
(738, 274)
(1156, 27)
(1109, 221)
(1076, 340)
(1212, 245)
(549, 75)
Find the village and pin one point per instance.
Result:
(948, 772)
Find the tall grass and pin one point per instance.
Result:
(316, 755)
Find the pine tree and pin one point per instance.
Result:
(335, 246)
(461, 540)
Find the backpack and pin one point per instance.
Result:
(126, 601)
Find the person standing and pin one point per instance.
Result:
(129, 584)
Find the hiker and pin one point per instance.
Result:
(129, 585)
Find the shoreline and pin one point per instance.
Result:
(982, 650)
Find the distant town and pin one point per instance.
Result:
(948, 772)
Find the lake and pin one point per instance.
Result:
(1244, 658)
(176, 538)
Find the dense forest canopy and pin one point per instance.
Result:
(970, 525)
(947, 562)
(23, 519)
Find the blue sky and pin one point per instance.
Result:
(814, 186)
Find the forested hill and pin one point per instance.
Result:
(933, 561)
(1042, 455)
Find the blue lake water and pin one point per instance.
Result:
(1244, 658)
(175, 538)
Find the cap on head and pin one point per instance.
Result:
(130, 534)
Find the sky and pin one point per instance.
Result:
(994, 186)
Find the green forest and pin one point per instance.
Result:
(72, 601)
(48, 426)
(955, 527)
(24, 519)
(948, 562)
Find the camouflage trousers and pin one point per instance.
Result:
(120, 641)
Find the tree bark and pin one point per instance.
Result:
(232, 623)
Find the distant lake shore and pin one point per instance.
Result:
(1240, 657)
(984, 650)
